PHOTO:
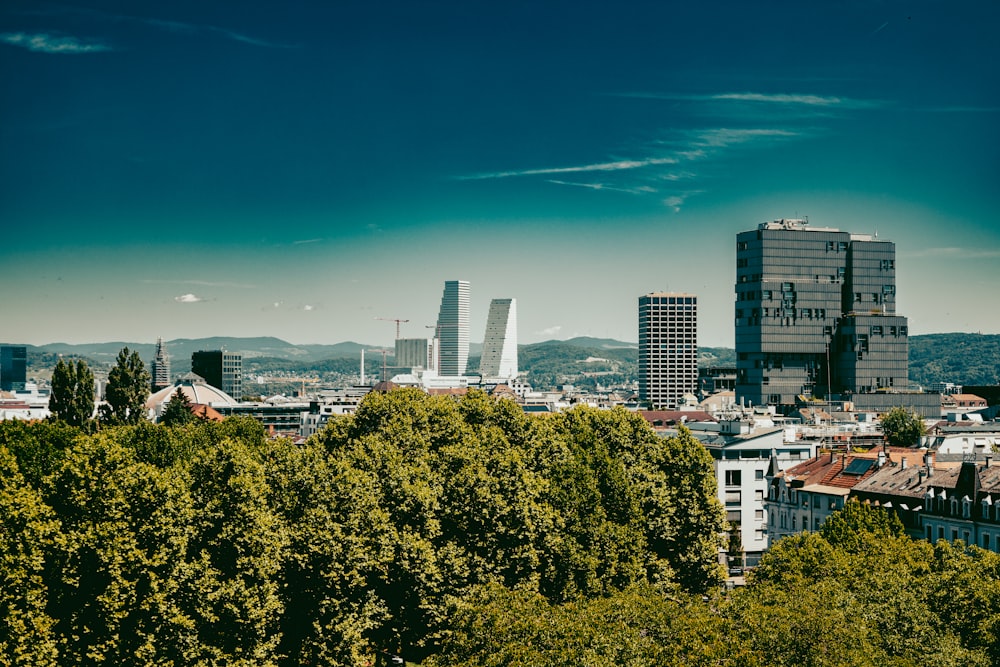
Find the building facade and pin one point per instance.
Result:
(453, 329)
(161, 367)
(415, 353)
(815, 314)
(13, 367)
(223, 370)
(499, 359)
(668, 348)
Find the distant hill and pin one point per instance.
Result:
(962, 358)
(970, 359)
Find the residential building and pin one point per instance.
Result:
(499, 358)
(13, 367)
(668, 348)
(803, 496)
(815, 315)
(221, 369)
(960, 502)
(453, 329)
(160, 367)
(743, 454)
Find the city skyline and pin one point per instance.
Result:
(299, 171)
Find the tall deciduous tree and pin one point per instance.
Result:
(902, 427)
(127, 390)
(72, 397)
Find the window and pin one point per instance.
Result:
(758, 474)
(759, 495)
(758, 515)
(733, 477)
(733, 516)
(733, 498)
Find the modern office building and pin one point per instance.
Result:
(223, 370)
(815, 314)
(453, 329)
(415, 353)
(668, 348)
(499, 359)
(13, 367)
(161, 367)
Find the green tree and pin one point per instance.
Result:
(735, 548)
(902, 427)
(177, 412)
(72, 396)
(27, 527)
(127, 389)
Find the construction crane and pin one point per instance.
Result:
(392, 319)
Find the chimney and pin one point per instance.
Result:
(832, 456)
(989, 460)
(903, 464)
(881, 459)
(929, 463)
(921, 474)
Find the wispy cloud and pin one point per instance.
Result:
(550, 331)
(308, 307)
(618, 165)
(188, 298)
(304, 241)
(46, 43)
(642, 189)
(783, 99)
(199, 283)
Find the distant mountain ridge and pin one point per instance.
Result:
(962, 358)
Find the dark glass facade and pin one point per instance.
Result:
(223, 370)
(13, 367)
(815, 314)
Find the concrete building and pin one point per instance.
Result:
(815, 315)
(415, 354)
(453, 329)
(160, 367)
(223, 370)
(499, 358)
(13, 367)
(668, 348)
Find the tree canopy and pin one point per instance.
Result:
(452, 532)
(72, 394)
(902, 427)
(127, 389)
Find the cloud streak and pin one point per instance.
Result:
(780, 99)
(188, 298)
(618, 165)
(46, 43)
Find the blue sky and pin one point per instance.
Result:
(299, 169)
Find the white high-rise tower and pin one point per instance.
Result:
(499, 360)
(453, 329)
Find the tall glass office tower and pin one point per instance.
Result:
(499, 360)
(453, 329)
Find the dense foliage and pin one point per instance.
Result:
(127, 390)
(857, 593)
(962, 358)
(72, 394)
(209, 544)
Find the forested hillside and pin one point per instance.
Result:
(967, 359)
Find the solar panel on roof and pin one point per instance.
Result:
(858, 466)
